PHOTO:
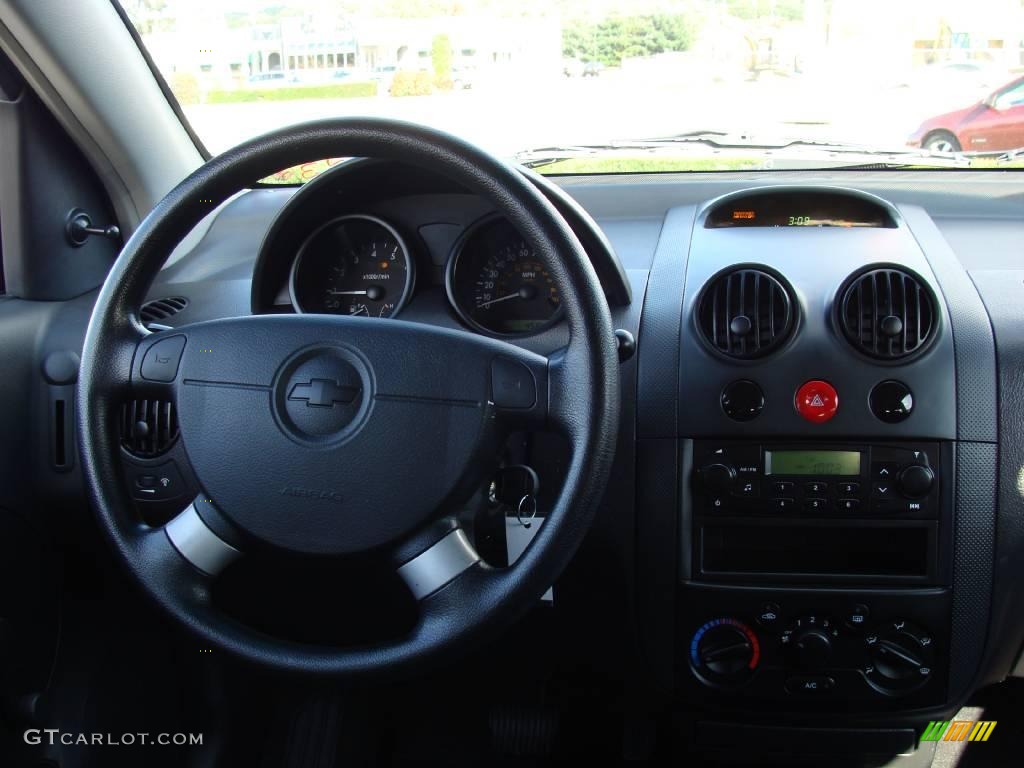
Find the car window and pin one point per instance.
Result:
(1012, 98)
(605, 85)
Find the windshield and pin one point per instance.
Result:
(580, 86)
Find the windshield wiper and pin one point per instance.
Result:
(812, 153)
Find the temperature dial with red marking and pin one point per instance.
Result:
(724, 652)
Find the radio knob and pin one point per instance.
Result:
(718, 477)
(916, 481)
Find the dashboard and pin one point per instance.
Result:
(370, 258)
(814, 511)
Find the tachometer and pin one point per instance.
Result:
(354, 265)
(498, 284)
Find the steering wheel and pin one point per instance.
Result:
(328, 436)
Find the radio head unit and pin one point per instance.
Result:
(836, 480)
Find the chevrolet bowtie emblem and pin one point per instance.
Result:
(323, 393)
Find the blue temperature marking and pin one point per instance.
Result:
(699, 634)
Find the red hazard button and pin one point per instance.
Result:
(817, 401)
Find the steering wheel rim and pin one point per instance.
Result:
(576, 393)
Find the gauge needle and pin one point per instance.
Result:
(348, 293)
(495, 301)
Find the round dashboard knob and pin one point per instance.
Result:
(724, 651)
(916, 481)
(718, 476)
(813, 648)
(900, 658)
(742, 400)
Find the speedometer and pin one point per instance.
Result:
(498, 284)
(354, 265)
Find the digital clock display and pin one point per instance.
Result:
(812, 462)
(790, 208)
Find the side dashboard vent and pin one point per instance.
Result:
(887, 314)
(148, 427)
(158, 310)
(746, 313)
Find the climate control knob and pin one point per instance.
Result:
(812, 647)
(724, 651)
(808, 641)
(899, 657)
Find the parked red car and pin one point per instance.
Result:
(992, 125)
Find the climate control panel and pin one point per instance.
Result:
(813, 648)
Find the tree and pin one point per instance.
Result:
(617, 37)
(441, 56)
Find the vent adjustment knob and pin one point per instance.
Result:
(745, 313)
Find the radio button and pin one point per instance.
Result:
(815, 505)
(816, 488)
(885, 471)
(781, 488)
(746, 488)
(717, 503)
(883, 491)
(848, 489)
(849, 505)
(783, 505)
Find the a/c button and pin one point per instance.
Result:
(810, 685)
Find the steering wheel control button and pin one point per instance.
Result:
(512, 384)
(321, 395)
(891, 401)
(810, 685)
(742, 400)
(159, 483)
(817, 401)
(161, 360)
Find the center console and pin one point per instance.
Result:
(816, 574)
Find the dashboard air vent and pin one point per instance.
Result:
(160, 309)
(745, 314)
(887, 314)
(148, 427)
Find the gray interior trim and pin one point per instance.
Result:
(973, 345)
(429, 571)
(973, 552)
(198, 544)
(104, 95)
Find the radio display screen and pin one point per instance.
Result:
(812, 462)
